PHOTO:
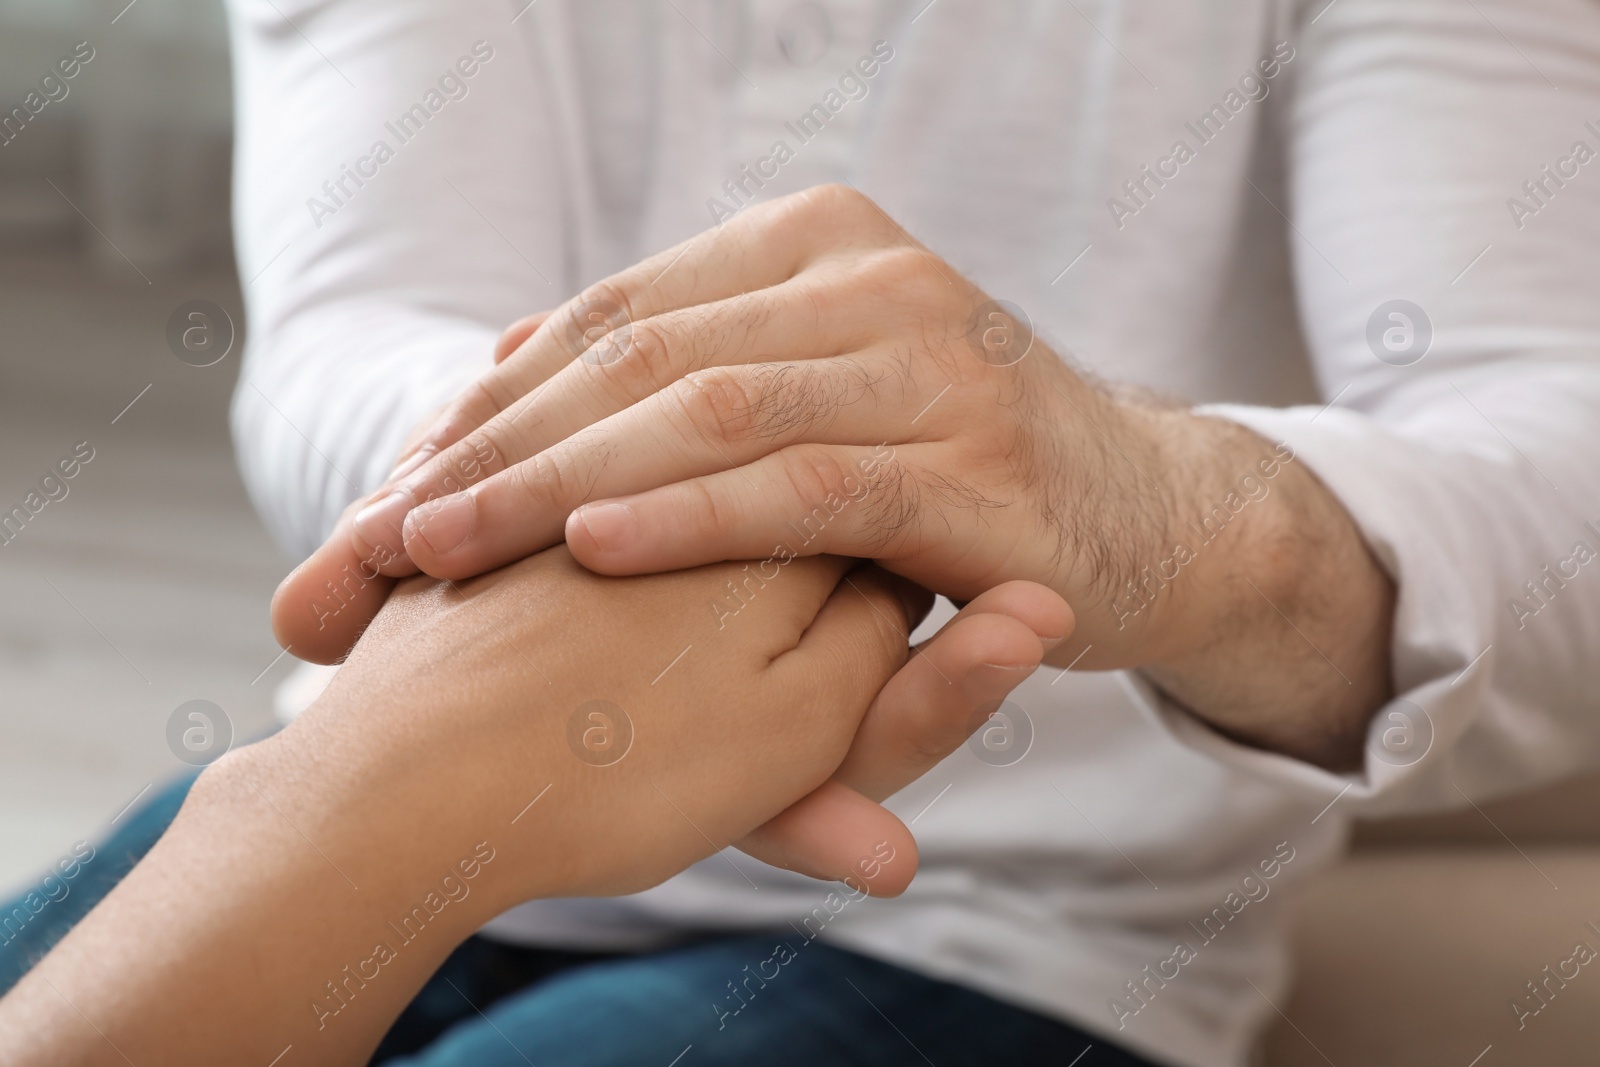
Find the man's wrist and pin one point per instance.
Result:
(1224, 533)
(1136, 472)
(1259, 607)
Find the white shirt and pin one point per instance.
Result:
(1386, 161)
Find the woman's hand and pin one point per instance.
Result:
(540, 731)
(682, 727)
(803, 379)
(628, 630)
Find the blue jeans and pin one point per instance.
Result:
(696, 1005)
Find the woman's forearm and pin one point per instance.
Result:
(241, 932)
(312, 882)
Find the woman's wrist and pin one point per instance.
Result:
(382, 806)
(368, 830)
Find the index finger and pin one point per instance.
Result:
(324, 604)
(762, 246)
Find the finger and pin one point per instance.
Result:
(324, 604)
(762, 246)
(711, 421)
(689, 369)
(515, 336)
(952, 685)
(409, 458)
(1037, 606)
(838, 835)
(790, 320)
(856, 641)
(803, 499)
(416, 451)
(925, 711)
(744, 610)
(377, 528)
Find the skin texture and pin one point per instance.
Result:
(808, 361)
(293, 856)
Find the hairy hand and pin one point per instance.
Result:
(808, 379)
(804, 379)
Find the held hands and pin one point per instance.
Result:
(804, 379)
(807, 379)
(570, 377)
(482, 692)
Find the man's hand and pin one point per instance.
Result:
(803, 380)
(807, 379)
(537, 732)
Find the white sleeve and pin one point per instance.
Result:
(393, 211)
(1472, 471)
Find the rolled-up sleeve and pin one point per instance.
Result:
(1445, 215)
(393, 212)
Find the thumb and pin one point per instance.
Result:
(948, 689)
(924, 713)
(838, 835)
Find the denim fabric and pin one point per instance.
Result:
(753, 1000)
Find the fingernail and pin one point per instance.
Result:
(411, 463)
(1003, 670)
(611, 526)
(445, 524)
(379, 523)
(990, 678)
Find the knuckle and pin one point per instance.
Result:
(603, 308)
(815, 475)
(716, 404)
(932, 742)
(610, 292)
(828, 300)
(708, 514)
(645, 365)
(480, 455)
(854, 215)
(826, 208)
(905, 263)
(485, 397)
(837, 197)
(905, 272)
(467, 462)
(787, 400)
(553, 476)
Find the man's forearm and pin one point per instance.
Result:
(1252, 599)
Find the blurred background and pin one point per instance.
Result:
(146, 586)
